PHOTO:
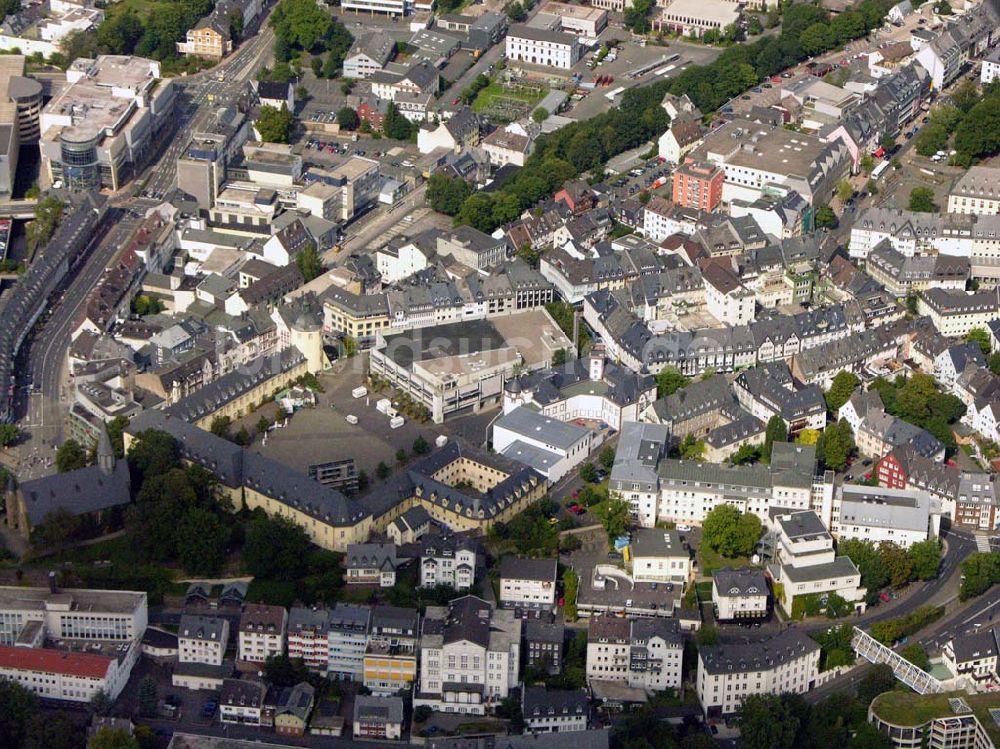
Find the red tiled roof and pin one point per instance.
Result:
(55, 661)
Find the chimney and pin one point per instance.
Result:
(53, 587)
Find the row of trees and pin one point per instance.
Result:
(972, 119)
(47, 216)
(980, 572)
(889, 564)
(918, 400)
(562, 155)
(154, 34)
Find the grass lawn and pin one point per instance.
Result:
(530, 95)
(704, 590)
(709, 560)
(142, 8)
(910, 709)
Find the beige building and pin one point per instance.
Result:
(977, 191)
(208, 38)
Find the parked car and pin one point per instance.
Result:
(684, 528)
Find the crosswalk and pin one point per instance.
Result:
(983, 544)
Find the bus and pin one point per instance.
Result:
(612, 95)
(881, 169)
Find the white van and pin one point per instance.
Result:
(396, 422)
(351, 419)
(359, 392)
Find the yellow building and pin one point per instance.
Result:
(209, 38)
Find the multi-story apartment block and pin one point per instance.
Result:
(378, 718)
(740, 594)
(347, 635)
(262, 632)
(241, 702)
(977, 191)
(202, 639)
(956, 313)
(727, 674)
(554, 711)
(973, 655)
(551, 49)
(876, 514)
(447, 560)
(470, 656)
(527, 583)
(659, 556)
(642, 653)
(698, 185)
(543, 645)
(209, 38)
(73, 614)
(308, 636)
(390, 662)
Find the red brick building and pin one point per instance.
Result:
(698, 184)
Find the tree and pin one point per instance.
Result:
(866, 558)
(691, 448)
(879, 679)
(614, 516)
(669, 380)
(401, 456)
(382, 471)
(300, 24)
(730, 532)
(17, 706)
(347, 118)
(70, 456)
(845, 190)
(101, 703)
(767, 723)
(58, 528)
(515, 12)
(707, 636)
(201, 542)
(559, 357)
(540, 114)
(275, 125)
(994, 362)
(745, 454)
(51, 731)
(236, 24)
(843, 386)
(835, 445)
(867, 736)
(153, 453)
(421, 446)
(922, 200)
(979, 573)
(48, 212)
(422, 713)
(980, 337)
(916, 655)
(112, 738)
(276, 548)
(309, 262)
(588, 472)
(825, 218)
(220, 426)
(282, 671)
(925, 558)
(777, 431)
(808, 437)
(607, 458)
(116, 435)
(396, 126)
(446, 194)
(973, 136)
(897, 563)
(148, 697)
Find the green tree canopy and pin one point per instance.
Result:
(922, 200)
(767, 723)
(276, 548)
(309, 261)
(843, 386)
(70, 456)
(981, 337)
(776, 431)
(669, 380)
(275, 125)
(730, 532)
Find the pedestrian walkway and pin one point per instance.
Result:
(875, 652)
(983, 544)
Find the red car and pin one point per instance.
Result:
(577, 509)
(455, 101)
(884, 597)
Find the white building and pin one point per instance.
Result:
(739, 594)
(470, 655)
(728, 300)
(954, 314)
(808, 566)
(68, 676)
(977, 191)
(991, 68)
(347, 638)
(241, 702)
(71, 613)
(645, 653)
(553, 448)
(307, 637)
(396, 262)
(542, 47)
(262, 632)
(727, 674)
(527, 583)
(876, 514)
(508, 145)
(659, 556)
(448, 561)
(554, 711)
(202, 639)
(973, 655)
(695, 17)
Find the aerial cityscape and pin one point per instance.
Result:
(500, 374)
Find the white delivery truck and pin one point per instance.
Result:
(396, 422)
(359, 392)
(351, 419)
